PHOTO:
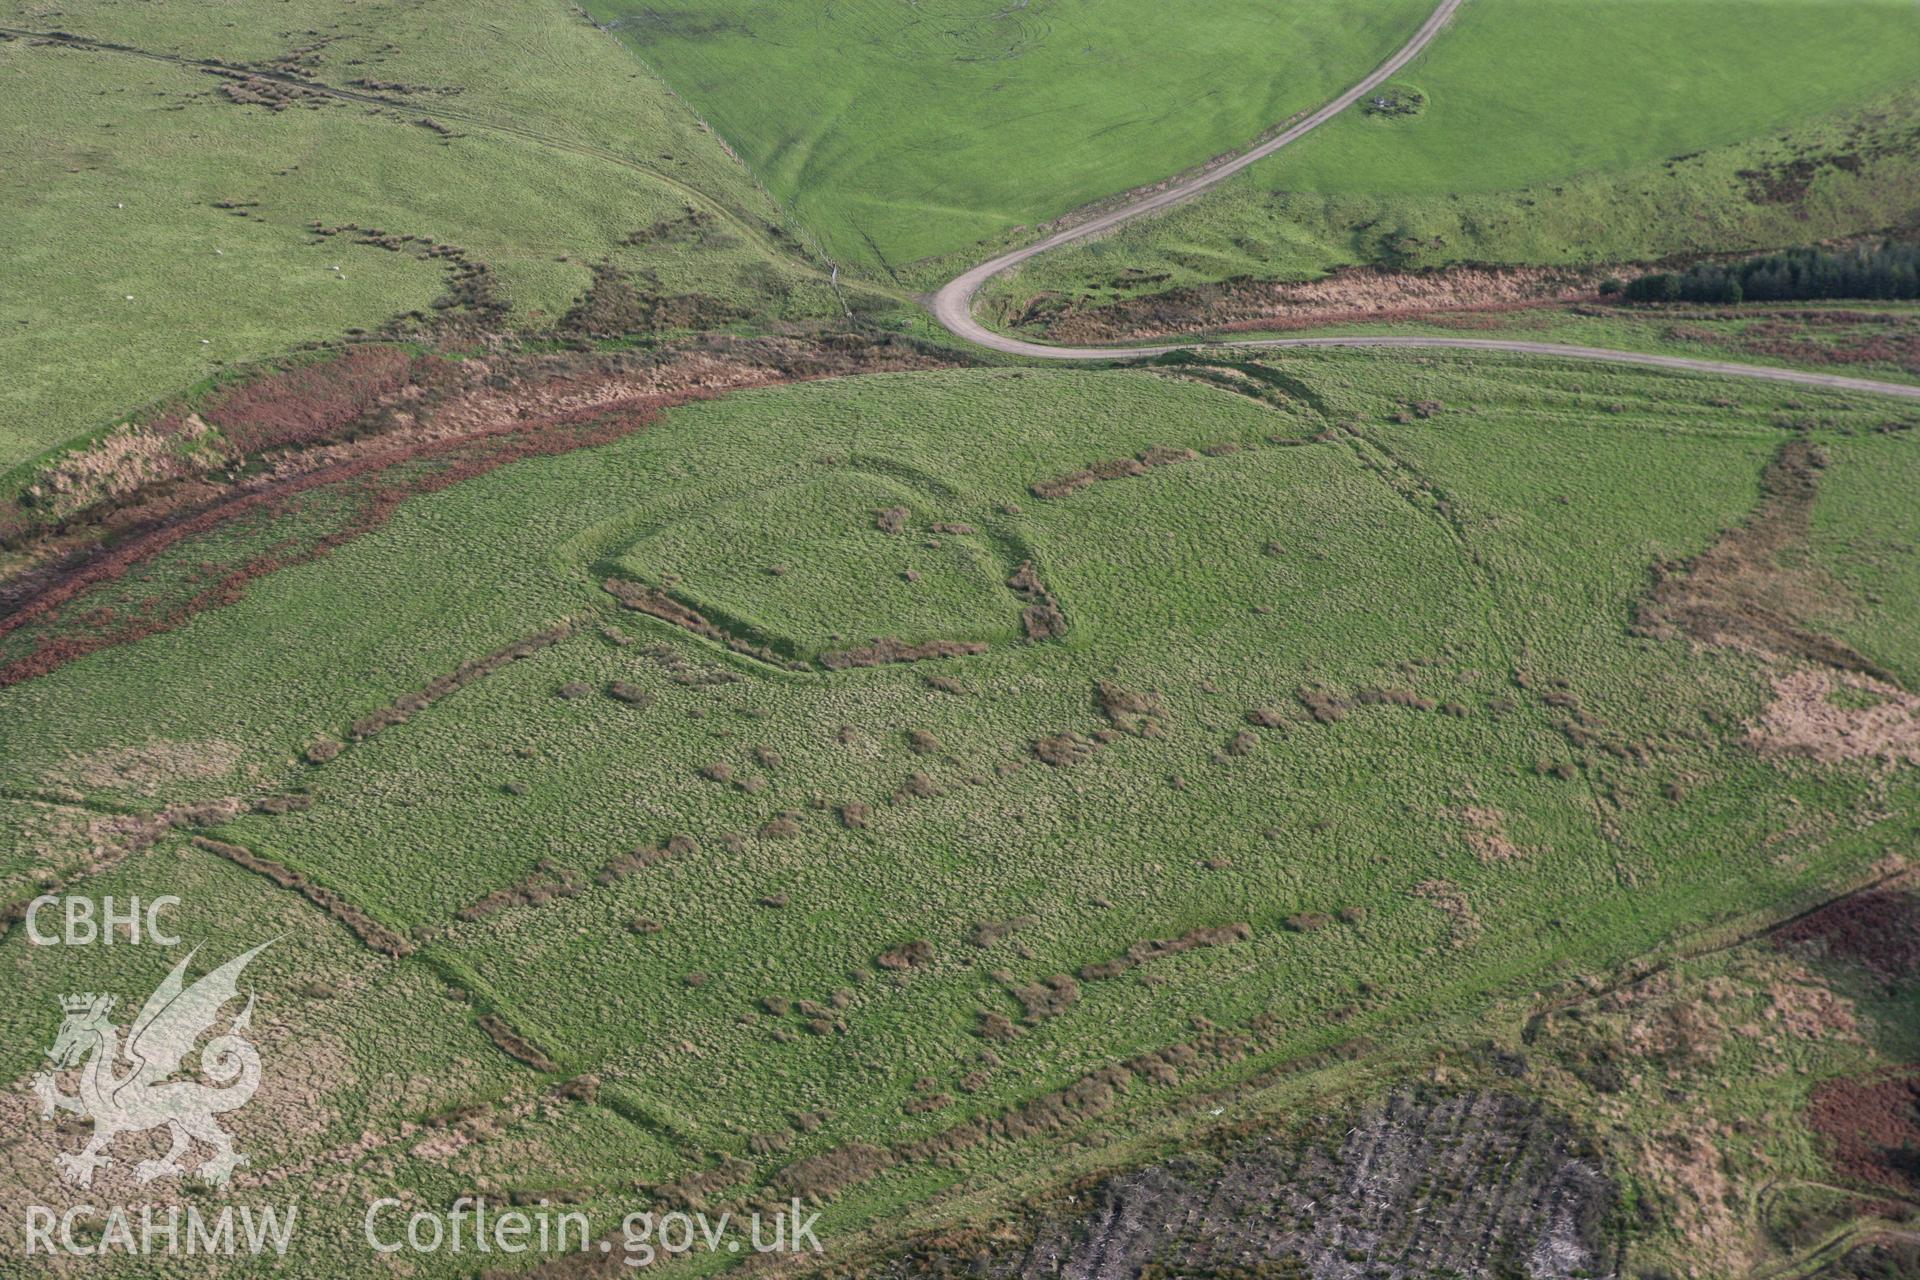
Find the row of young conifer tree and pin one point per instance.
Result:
(1891, 271)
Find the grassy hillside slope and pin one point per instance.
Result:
(159, 227)
(908, 131)
(1562, 132)
(1347, 710)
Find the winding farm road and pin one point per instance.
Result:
(953, 305)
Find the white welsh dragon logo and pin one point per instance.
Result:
(141, 1096)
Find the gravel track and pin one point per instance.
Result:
(953, 305)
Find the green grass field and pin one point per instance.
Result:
(1558, 132)
(1523, 93)
(1864, 535)
(786, 564)
(903, 132)
(923, 784)
(129, 281)
(1483, 558)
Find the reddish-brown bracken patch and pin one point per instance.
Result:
(1837, 338)
(1352, 295)
(359, 433)
(1879, 930)
(1872, 1126)
(315, 402)
(371, 479)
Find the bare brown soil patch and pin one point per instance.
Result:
(1350, 295)
(1043, 618)
(1745, 592)
(1789, 181)
(1452, 901)
(908, 955)
(1375, 696)
(1047, 998)
(1323, 704)
(149, 766)
(1485, 829)
(547, 881)
(515, 1045)
(1111, 469)
(628, 692)
(1159, 948)
(1063, 750)
(406, 707)
(658, 604)
(638, 860)
(274, 95)
(1133, 711)
(782, 826)
(888, 650)
(1812, 717)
